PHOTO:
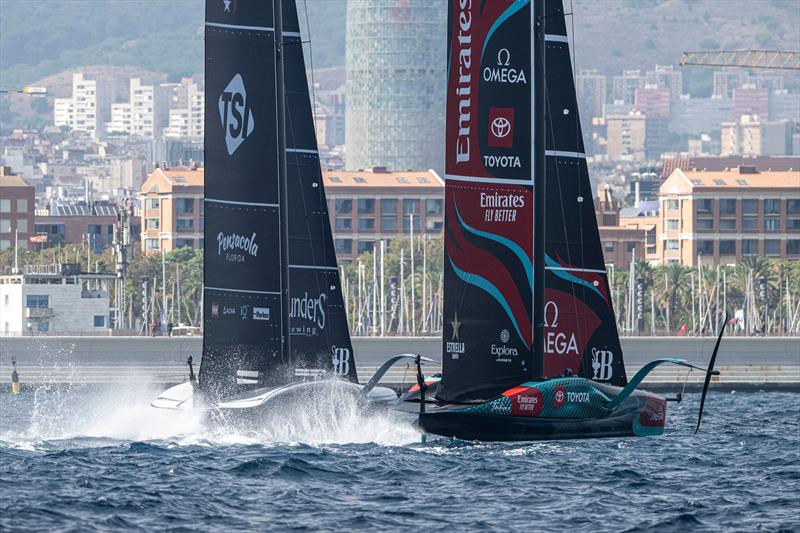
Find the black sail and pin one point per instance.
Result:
(242, 302)
(320, 334)
(580, 326)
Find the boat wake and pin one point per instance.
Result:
(114, 414)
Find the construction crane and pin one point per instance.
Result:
(743, 58)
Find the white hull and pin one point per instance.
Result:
(187, 397)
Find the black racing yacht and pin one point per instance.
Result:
(275, 328)
(530, 349)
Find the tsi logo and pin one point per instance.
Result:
(260, 313)
(601, 364)
(341, 361)
(236, 116)
(243, 312)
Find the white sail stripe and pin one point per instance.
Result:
(556, 38)
(231, 202)
(291, 34)
(302, 151)
(245, 381)
(221, 289)
(248, 373)
(481, 179)
(559, 153)
(574, 269)
(315, 267)
(240, 27)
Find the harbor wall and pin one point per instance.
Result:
(165, 350)
(769, 363)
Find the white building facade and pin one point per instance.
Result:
(51, 299)
(89, 107)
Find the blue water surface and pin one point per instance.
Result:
(100, 458)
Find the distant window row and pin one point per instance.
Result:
(727, 206)
(729, 224)
(366, 206)
(6, 203)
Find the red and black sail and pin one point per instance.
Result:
(488, 322)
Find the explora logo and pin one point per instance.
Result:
(236, 116)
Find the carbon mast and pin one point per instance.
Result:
(283, 185)
(539, 194)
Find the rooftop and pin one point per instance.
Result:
(7, 179)
(380, 177)
(738, 179)
(165, 180)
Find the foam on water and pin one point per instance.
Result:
(122, 412)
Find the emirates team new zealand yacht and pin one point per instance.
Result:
(275, 328)
(530, 348)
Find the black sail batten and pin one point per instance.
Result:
(319, 330)
(580, 326)
(242, 288)
(488, 295)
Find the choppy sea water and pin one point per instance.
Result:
(101, 458)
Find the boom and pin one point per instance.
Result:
(783, 60)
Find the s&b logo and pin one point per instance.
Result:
(341, 361)
(601, 364)
(236, 115)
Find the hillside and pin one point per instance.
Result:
(41, 39)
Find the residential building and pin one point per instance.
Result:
(395, 65)
(652, 101)
(624, 86)
(751, 101)
(121, 118)
(591, 90)
(88, 109)
(784, 105)
(751, 136)
(626, 241)
(54, 298)
(17, 204)
(172, 214)
(626, 135)
(367, 206)
(149, 108)
(722, 216)
(666, 77)
(186, 115)
(91, 224)
(699, 115)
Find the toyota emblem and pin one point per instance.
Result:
(501, 127)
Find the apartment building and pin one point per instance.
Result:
(17, 206)
(121, 118)
(367, 206)
(623, 239)
(186, 116)
(149, 108)
(172, 213)
(721, 216)
(626, 135)
(751, 100)
(88, 109)
(752, 136)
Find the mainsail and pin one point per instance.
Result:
(489, 281)
(243, 307)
